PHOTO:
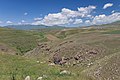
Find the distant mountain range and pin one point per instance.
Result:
(30, 27)
(113, 24)
(117, 23)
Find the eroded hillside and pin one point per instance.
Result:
(67, 54)
(82, 49)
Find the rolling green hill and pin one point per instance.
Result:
(21, 41)
(60, 54)
(31, 27)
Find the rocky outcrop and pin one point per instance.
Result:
(57, 59)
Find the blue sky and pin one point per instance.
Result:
(59, 12)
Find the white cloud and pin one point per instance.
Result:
(69, 13)
(78, 21)
(81, 12)
(37, 23)
(66, 16)
(1, 22)
(81, 16)
(37, 19)
(19, 23)
(103, 19)
(87, 22)
(53, 19)
(23, 21)
(113, 11)
(107, 5)
(86, 10)
(9, 22)
(25, 13)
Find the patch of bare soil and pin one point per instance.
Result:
(51, 37)
(6, 49)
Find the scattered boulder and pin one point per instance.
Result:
(89, 64)
(27, 78)
(67, 59)
(43, 62)
(92, 52)
(64, 72)
(71, 41)
(77, 57)
(38, 61)
(62, 62)
(57, 59)
(51, 64)
(39, 78)
(74, 63)
(47, 49)
(45, 76)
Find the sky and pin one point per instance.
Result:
(59, 12)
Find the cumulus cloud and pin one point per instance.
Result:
(9, 22)
(107, 5)
(78, 21)
(23, 21)
(37, 19)
(66, 16)
(112, 11)
(87, 22)
(53, 19)
(86, 10)
(103, 19)
(81, 16)
(25, 13)
(19, 23)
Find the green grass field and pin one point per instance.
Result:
(22, 41)
(17, 68)
(113, 32)
(103, 64)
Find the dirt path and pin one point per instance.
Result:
(51, 37)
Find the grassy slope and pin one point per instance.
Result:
(105, 40)
(22, 41)
(18, 68)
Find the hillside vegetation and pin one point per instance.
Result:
(91, 53)
(21, 41)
